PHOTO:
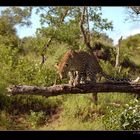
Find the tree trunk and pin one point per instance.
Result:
(118, 53)
(67, 89)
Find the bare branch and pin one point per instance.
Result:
(118, 52)
(88, 27)
(133, 13)
(86, 41)
(67, 89)
(62, 17)
(64, 14)
(136, 9)
(44, 50)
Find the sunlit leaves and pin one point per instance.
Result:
(18, 15)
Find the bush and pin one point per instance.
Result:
(111, 119)
(81, 107)
(5, 121)
(130, 117)
(36, 118)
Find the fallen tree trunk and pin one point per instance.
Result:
(67, 89)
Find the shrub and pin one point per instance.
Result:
(111, 119)
(36, 118)
(81, 107)
(130, 117)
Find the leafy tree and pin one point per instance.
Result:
(17, 15)
(63, 22)
(130, 45)
(10, 18)
(8, 35)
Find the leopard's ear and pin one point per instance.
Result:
(56, 65)
(72, 53)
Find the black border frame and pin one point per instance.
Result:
(69, 2)
(69, 135)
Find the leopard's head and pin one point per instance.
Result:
(64, 65)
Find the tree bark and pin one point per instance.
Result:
(67, 89)
(62, 17)
(118, 53)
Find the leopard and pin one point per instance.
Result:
(78, 65)
(83, 67)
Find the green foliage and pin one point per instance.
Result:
(17, 15)
(130, 117)
(28, 45)
(130, 46)
(19, 104)
(104, 39)
(111, 120)
(8, 58)
(36, 118)
(63, 23)
(5, 121)
(8, 35)
(129, 54)
(122, 117)
(81, 107)
(27, 71)
(110, 70)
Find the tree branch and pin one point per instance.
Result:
(67, 89)
(62, 17)
(44, 51)
(85, 37)
(118, 52)
(136, 9)
(86, 41)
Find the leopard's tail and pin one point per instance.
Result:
(120, 80)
